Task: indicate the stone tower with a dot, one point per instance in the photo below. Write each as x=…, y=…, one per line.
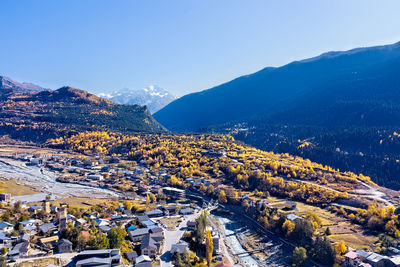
x=62, y=216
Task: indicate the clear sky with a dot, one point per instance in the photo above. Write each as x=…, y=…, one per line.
x=182, y=46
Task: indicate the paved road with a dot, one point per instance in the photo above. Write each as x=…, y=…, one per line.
x=173, y=237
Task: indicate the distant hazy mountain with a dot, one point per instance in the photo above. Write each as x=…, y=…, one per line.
x=7, y=83
x=357, y=87
x=152, y=96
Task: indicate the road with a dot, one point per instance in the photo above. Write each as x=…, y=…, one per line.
x=371, y=192
x=173, y=237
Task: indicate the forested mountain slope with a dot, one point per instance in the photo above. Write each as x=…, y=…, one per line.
x=37, y=116
x=357, y=87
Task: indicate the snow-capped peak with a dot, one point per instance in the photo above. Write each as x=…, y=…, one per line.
x=153, y=96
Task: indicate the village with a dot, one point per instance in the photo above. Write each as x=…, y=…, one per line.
x=157, y=220
x=40, y=235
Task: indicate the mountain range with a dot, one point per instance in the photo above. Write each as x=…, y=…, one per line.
x=340, y=108
x=31, y=113
x=154, y=97
x=356, y=87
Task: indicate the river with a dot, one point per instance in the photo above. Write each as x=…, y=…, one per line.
x=45, y=181
x=229, y=228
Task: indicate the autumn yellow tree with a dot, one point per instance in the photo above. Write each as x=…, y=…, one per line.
x=128, y=204
x=390, y=211
x=340, y=247
x=209, y=247
x=147, y=199
x=390, y=227
x=314, y=219
x=288, y=227
x=222, y=197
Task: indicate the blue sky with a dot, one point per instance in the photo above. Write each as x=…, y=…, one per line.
x=182, y=46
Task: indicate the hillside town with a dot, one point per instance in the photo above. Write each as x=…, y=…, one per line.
x=150, y=224
x=41, y=229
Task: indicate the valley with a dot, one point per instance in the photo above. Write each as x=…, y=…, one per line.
x=255, y=189
x=266, y=187
x=200, y=133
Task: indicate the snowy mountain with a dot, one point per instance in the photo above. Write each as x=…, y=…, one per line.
x=154, y=97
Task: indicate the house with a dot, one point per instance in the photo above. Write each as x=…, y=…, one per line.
x=394, y=261
x=142, y=218
x=150, y=246
x=174, y=193
x=101, y=257
x=375, y=260
x=90, y=163
x=102, y=222
x=138, y=234
x=168, y=210
x=35, y=161
x=187, y=211
x=6, y=227
x=90, y=216
x=80, y=222
x=148, y=224
x=157, y=231
x=143, y=261
x=5, y=241
x=74, y=162
x=289, y=205
x=53, y=209
x=47, y=228
x=25, y=237
x=216, y=243
x=49, y=242
x=131, y=256
x=105, y=228
x=35, y=208
x=154, y=213
x=351, y=259
x=131, y=228
x=28, y=223
x=181, y=247
x=5, y=197
x=292, y=217
x=95, y=177
x=127, y=212
x=392, y=251
x=20, y=250
x=64, y=246
x=32, y=230
x=192, y=225
x=94, y=261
